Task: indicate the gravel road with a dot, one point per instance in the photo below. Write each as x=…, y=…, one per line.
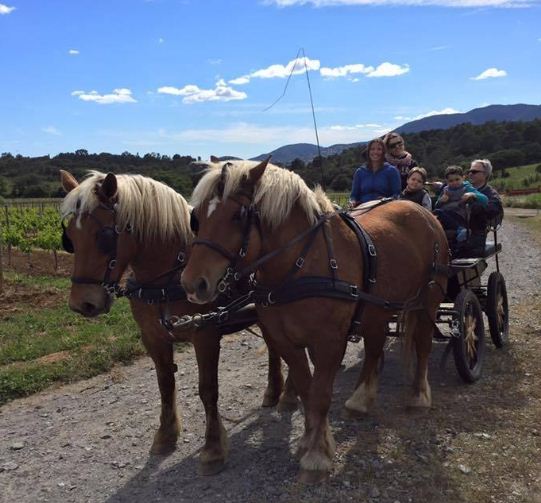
x=89, y=442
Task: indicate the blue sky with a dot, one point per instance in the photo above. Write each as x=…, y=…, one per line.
x=194, y=77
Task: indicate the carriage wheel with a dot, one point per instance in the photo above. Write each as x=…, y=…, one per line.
x=497, y=309
x=468, y=336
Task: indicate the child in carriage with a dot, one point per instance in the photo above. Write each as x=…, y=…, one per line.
x=415, y=190
x=451, y=207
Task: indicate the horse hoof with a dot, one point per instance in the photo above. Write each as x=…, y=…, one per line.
x=270, y=400
x=163, y=449
x=288, y=405
x=349, y=414
x=211, y=467
x=311, y=477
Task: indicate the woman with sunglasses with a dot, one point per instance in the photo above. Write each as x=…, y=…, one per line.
x=396, y=155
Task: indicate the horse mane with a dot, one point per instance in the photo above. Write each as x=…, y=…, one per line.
x=153, y=210
x=275, y=194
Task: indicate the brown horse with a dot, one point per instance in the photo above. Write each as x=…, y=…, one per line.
x=296, y=239
x=133, y=220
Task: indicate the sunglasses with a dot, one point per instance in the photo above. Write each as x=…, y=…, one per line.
x=474, y=171
x=393, y=145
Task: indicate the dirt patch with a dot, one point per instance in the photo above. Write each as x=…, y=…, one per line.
x=38, y=262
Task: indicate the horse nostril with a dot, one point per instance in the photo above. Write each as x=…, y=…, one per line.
x=88, y=309
x=202, y=287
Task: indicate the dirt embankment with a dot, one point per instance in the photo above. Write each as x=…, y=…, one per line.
x=89, y=442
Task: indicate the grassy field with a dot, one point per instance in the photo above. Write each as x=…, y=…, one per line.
x=519, y=177
x=42, y=342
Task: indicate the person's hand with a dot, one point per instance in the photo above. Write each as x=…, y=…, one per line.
x=351, y=205
x=468, y=197
x=444, y=197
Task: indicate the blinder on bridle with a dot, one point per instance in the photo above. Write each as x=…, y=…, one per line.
x=106, y=238
x=194, y=222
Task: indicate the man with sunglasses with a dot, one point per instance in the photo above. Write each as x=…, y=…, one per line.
x=479, y=174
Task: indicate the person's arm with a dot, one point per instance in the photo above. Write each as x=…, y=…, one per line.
x=443, y=197
x=478, y=196
x=494, y=207
x=355, y=196
x=395, y=185
x=427, y=202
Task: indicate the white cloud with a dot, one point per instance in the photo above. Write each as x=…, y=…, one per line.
x=73, y=52
x=294, y=67
x=4, y=9
x=443, y=111
x=389, y=70
x=383, y=70
x=51, y=130
x=419, y=3
x=161, y=40
x=240, y=80
x=122, y=95
x=216, y=61
x=490, y=73
x=193, y=94
x=343, y=71
x=245, y=133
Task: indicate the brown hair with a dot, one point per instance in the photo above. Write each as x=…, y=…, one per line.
x=392, y=136
x=379, y=141
x=421, y=171
x=453, y=170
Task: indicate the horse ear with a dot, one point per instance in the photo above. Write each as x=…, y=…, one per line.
x=257, y=172
x=214, y=159
x=68, y=181
x=109, y=186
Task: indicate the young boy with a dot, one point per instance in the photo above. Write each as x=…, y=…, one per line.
x=415, y=190
x=451, y=205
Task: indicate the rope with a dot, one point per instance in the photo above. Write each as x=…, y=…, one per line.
x=320, y=158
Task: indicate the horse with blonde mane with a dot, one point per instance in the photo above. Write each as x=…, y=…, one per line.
x=134, y=220
x=310, y=271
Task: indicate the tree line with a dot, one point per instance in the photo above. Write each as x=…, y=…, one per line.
x=506, y=144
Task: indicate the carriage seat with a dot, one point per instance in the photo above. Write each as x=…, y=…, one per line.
x=491, y=249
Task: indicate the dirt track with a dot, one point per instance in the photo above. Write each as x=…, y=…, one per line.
x=89, y=442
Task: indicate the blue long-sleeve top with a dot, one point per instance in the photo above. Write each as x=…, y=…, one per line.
x=455, y=195
x=369, y=185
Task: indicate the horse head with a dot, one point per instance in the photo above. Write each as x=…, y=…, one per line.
x=226, y=219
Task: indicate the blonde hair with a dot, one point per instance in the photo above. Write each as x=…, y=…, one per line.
x=151, y=208
x=275, y=193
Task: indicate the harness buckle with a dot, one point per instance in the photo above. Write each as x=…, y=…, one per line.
x=242, y=253
x=333, y=264
x=112, y=264
x=270, y=302
x=181, y=258
x=300, y=262
x=372, y=250
x=222, y=286
x=354, y=291
x=372, y=280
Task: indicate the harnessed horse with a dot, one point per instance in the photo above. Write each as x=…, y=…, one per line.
x=295, y=241
x=131, y=220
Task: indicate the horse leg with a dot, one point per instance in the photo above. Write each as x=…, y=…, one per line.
x=161, y=353
x=367, y=385
x=276, y=392
x=275, y=380
x=422, y=338
x=316, y=462
x=214, y=453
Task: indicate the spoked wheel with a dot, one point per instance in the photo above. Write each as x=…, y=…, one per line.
x=497, y=309
x=468, y=336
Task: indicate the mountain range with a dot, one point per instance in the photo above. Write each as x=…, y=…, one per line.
x=497, y=113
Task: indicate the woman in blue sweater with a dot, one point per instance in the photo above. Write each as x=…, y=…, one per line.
x=376, y=178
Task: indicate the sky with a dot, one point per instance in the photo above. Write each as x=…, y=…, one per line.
x=229, y=77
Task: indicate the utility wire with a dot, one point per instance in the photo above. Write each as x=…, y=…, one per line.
x=320, y=158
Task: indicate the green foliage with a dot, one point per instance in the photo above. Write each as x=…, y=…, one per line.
x=30, y=227
x=506, y=144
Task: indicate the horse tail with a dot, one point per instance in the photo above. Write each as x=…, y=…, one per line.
x=407, y=321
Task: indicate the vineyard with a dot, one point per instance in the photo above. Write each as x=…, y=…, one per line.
x=29, y=225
